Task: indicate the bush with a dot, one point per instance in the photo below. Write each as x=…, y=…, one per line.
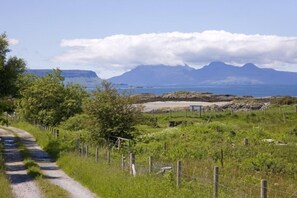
x=76, y=122
x=267, y=163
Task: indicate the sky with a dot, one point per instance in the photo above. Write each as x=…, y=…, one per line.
x=111, y=37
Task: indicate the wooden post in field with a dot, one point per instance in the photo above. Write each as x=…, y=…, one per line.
x=123, y=162
x=108, y=156
x=86, y=150
x=96, y=155
x=150, y=165
x=263, y=188
x=119, y=143
x=132, y=164
x=178, y=174
x=57, y=133
x=82, y=150
x=165, y=147
x=200, y=111
x=245, y=141
x=216, y=182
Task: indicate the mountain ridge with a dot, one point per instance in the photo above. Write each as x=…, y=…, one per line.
x=215, y=73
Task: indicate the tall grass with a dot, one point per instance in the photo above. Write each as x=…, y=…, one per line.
x=4, y=182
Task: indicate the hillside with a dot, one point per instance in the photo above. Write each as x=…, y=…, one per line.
x=86, y=78
x=216, y=73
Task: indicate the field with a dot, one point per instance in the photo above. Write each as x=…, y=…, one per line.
x=246, y=146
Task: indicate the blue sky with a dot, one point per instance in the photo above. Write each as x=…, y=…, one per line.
x=111, y=37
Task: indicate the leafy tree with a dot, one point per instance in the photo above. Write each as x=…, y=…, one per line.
x=112, y=114
x=48, y=100
x=11, y=70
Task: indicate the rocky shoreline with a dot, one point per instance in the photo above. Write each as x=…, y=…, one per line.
x=192, y=96
x=178, y=99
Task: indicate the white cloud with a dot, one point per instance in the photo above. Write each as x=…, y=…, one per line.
x=118, y=53
x=13, y=41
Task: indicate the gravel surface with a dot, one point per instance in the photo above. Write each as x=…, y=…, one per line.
x=50, y=169
x=22, y=184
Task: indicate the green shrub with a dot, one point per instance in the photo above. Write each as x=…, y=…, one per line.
x=267, y=163
x=76, y=122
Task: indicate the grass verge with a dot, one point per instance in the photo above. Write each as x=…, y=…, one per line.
x=4, y=182
x=49, y=190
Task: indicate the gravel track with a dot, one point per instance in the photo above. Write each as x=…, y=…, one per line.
x=22, y=184
x=50, y=169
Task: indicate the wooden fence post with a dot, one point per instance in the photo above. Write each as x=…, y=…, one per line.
x=108, y=156
x=216, y=182
x=150, y=165
x=263, y=188
x=57, y=134
x=178, y=174
x=96, y=155
x=132, y=164
x=119, y=143
x=123, y=162
x=86, y=151
x=165, y=147
x=82, y=150
x=245, y=141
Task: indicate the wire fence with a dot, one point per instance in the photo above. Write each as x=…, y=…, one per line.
x=214, y=185
x=208, y=183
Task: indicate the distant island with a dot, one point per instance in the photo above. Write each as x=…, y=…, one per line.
x=216, y=77
x=86, y=78
x=216, y=73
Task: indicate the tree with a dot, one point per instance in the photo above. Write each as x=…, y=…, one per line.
x=11, y=70
x=112, y=114
x=48, y=100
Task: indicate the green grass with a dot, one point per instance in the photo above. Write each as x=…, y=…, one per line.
x=215, y=139
x=109, y=181
x=4, y=182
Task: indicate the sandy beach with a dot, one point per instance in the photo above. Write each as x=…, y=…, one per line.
x=149, y=106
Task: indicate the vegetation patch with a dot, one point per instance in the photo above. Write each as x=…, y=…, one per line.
x=4, y=182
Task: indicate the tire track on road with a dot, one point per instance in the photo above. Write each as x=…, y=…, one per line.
x=22, y=184
x=50, y=169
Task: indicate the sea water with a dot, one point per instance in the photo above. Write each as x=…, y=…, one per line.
x=238, y=90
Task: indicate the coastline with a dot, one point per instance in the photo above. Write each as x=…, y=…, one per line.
x=172, y=105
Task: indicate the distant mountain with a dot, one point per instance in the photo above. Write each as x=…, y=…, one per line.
x=156, y=74
x=216, y=73
x=86, y=78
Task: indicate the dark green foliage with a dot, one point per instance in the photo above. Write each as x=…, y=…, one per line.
x=11, y=70
x=48, y=100
x=112, y=114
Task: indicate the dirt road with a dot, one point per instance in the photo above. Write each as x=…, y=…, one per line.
x=50, y=169
x=22, y=184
